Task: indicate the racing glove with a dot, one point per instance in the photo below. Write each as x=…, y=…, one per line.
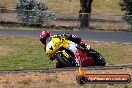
x=51, y=58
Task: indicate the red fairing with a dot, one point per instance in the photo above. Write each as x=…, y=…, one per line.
x=85, y=61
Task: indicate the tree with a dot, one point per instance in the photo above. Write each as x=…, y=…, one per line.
x=126, y=5
x=32, y=11
x=85, y=10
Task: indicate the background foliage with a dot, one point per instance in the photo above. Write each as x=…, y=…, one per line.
x=126, y=5
x=31, y=11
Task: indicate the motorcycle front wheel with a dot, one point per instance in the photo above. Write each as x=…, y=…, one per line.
x=62, y=61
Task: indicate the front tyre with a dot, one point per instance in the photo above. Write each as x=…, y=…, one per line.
x=98, y=58
x=63, y=61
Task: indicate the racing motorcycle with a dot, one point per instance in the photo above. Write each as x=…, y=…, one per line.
x=57, y=49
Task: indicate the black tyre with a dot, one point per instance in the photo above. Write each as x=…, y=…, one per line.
x=81, y=80
x=98, y=58
x=58, y=65
x=62, y=61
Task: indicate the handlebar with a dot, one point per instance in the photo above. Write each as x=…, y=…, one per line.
x=80, y=47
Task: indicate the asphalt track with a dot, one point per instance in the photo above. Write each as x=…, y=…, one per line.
x=120, y=37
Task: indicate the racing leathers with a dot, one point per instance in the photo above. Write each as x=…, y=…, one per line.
x=77, y=40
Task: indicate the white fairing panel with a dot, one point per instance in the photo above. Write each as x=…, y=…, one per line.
x=48, y=46
x=72, y=47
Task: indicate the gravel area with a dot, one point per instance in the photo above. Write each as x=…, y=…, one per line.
x=65, y=79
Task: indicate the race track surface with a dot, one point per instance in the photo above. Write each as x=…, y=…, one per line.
x=123, y=37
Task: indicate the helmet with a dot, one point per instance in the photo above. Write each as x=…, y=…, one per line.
x=44, y=35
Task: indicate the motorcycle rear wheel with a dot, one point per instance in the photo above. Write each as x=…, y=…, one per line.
x=98, y=58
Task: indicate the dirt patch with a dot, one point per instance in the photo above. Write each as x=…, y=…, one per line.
x=51, y=80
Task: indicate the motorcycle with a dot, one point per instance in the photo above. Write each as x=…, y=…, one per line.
x=57, y=49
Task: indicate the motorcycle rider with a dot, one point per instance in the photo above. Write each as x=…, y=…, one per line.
x=45, y=35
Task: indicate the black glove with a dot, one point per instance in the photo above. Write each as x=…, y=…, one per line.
x=66, y=34
x=51, y=58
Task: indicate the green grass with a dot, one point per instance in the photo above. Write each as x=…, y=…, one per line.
x=27, y=53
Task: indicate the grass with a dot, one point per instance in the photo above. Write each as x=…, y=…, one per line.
x=27, y=53
x=20, y=28
x=109, y=6
x=98, y=6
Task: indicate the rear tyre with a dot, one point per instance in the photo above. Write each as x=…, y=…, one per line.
x=58, y=65
x=98, y=58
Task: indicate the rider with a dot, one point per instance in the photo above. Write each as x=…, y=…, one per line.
x=44, y=35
